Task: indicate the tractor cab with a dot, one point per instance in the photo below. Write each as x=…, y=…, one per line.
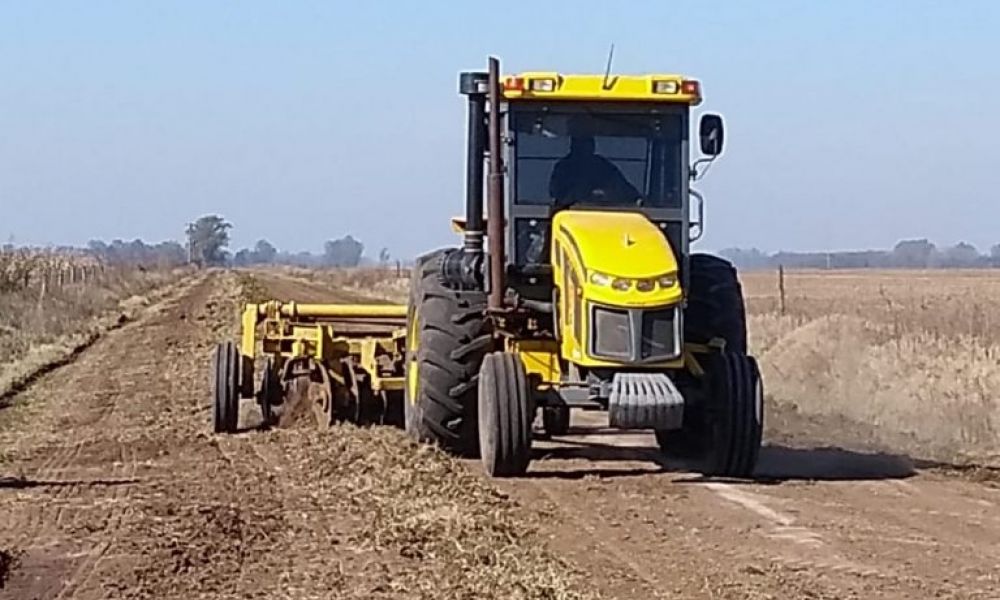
x=590, y=142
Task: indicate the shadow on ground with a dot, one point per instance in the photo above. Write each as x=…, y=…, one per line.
x=782, y=463
x=777, y=463
x=18, y=483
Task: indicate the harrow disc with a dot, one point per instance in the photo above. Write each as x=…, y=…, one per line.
x=320, y=397
x=269, y=394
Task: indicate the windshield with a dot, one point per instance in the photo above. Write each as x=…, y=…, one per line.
x=597, y=159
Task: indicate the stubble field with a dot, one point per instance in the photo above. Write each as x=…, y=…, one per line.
x=911, y=356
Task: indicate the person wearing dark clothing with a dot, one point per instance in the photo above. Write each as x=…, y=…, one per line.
x=586, y=177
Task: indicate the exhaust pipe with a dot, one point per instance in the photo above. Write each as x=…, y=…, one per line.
x=495, y=208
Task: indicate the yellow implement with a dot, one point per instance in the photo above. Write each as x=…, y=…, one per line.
x=345, y=361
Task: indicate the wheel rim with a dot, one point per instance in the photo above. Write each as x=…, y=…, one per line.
x=412, y=365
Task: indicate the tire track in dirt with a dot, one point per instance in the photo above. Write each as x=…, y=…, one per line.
x=125, y=469
x=71, y=504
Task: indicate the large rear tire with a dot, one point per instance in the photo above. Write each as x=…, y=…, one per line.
x=447, y=338
x=715, y=307
x=721, y=434
x=226, y=384
x=715, y=310
x=505, y=415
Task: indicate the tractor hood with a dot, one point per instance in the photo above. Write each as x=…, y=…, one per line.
x=620, y=244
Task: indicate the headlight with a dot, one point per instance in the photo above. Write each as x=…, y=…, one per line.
x=621, y=284
x=667, y=281
x=624, y=284
x=600, y=278
x=645, y=285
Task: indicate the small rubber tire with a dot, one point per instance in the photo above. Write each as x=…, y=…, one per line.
x=555, y=420
x=734, y=416
x=226, y=388
x=505, y=415
x=447, y=337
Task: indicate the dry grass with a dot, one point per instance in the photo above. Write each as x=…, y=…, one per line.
x=383, y=283
x=52, y=305
x=24, y=268
x=913, y=353
x=449, y=532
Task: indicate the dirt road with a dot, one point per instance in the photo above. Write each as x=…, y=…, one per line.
x=116, y=488
x=819, y=523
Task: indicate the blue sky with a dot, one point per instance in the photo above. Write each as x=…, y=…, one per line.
x=850, y=124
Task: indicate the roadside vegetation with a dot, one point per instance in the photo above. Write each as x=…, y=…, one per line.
x=53, y=303
x=912, y=355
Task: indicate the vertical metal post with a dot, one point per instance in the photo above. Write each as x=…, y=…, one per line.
x=495, y=209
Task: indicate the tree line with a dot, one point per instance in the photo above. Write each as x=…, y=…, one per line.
x=206, y=243
x=906, y=254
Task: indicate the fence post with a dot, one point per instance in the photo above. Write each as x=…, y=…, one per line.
x=781, y=288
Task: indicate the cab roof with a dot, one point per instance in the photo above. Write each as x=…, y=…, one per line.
x=545, y=85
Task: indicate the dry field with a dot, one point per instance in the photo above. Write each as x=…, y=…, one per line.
x=388, y=283
x=910, y=356
x=113, y=486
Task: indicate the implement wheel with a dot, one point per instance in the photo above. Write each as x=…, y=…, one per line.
x=446, y=340
x=734, y=415
x=505, y=415
x=226, y=380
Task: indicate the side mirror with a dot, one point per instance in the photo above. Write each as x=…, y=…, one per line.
x=712, y=134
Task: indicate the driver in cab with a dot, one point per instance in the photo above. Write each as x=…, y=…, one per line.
x=585, y=177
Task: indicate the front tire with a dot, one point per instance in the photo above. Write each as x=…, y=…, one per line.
x=735, y=415
x=505, y=415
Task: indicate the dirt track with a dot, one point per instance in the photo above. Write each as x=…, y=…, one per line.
x=118, y=490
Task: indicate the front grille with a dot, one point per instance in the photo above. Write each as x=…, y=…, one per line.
x=635, y=335
x=659, y=334
x=612, y=333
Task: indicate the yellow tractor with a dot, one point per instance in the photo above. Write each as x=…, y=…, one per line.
x=574, y=287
